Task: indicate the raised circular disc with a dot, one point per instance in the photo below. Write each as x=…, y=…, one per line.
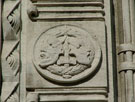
x=66, y=54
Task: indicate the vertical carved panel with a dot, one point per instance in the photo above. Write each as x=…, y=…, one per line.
x=65, y=55
x=65, y=51
x=10, y=51
x=126, y=51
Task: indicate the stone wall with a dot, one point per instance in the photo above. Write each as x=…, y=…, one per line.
x=67, y=51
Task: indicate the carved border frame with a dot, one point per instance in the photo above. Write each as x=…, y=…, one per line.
x=13, y=28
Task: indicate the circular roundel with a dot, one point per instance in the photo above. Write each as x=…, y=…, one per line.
x=66, y=54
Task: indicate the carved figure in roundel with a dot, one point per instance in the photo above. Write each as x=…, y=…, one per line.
x=66, y=53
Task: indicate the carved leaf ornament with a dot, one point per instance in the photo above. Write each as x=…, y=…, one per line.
x=66, y=54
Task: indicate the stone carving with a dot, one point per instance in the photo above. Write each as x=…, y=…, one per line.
x=64, y=52
x=10, y=57
x=13, y=60
x=77, y=11
x=126, y=53
x=32, y=11
x=60, y=54
x=12, y=23
x=11, y=83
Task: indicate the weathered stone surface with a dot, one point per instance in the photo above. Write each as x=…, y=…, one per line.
x=126, y=42
x=11, y=51
x=65, y=51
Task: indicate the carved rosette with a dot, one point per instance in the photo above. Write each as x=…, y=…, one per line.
x=66, y=54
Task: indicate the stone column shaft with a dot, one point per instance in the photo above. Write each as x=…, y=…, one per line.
x=127, y=50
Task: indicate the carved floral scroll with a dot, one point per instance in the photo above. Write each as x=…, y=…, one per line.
x=10, y=53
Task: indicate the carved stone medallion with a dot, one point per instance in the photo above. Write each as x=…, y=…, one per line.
x=66, y=54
